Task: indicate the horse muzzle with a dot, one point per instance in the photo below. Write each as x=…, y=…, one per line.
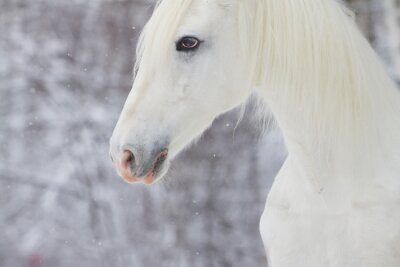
x=135, y=165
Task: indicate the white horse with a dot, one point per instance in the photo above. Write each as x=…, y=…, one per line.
x=336, y=200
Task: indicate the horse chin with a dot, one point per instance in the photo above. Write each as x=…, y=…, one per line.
x=160, y=172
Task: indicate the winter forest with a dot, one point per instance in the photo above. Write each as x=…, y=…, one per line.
x=65, y=71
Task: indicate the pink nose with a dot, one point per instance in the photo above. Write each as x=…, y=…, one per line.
x=127, y=166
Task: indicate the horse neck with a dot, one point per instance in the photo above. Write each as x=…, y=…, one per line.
x=339, y=120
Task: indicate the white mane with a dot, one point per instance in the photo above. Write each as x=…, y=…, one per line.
x=309, y=54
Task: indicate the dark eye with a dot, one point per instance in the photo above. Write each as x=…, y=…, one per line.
x=187, y=43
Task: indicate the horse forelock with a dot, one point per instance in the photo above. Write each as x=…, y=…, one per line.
x=158, y=34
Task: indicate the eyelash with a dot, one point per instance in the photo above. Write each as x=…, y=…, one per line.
x=187, y=44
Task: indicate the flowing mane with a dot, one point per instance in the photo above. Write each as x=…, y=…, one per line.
x=317, y=70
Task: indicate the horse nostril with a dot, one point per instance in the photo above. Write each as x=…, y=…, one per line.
x=127, y=159
x=160, y=160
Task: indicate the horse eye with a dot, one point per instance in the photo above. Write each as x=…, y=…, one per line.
x=187, y=43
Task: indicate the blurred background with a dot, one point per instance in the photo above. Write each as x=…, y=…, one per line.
x=65, y=71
